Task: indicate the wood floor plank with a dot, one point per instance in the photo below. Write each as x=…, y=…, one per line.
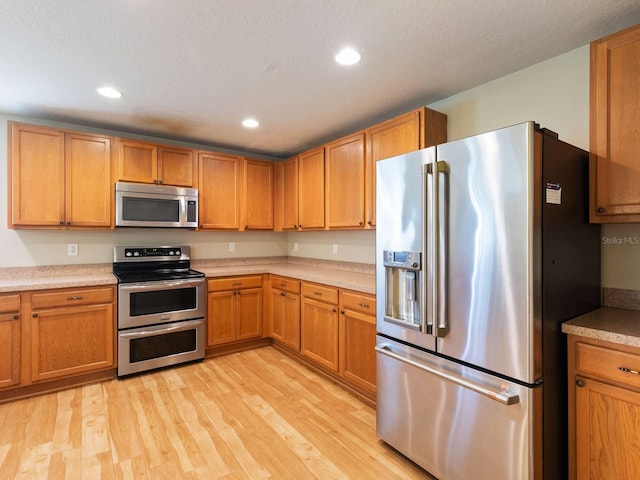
x=254, y=415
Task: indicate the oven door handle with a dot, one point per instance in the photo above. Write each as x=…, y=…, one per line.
x=171, y=327
x=131, y=287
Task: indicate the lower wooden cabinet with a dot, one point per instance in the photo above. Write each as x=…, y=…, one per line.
x=285, y=311
x=604, y=410
x=234, y=309
x=358, y=339
x=57, y=334
x=319, y=325
x=10, y=338
x=72, y=332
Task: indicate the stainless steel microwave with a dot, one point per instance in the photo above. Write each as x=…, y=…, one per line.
x=142, y=205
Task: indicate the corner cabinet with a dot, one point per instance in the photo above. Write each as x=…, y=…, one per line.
x=58, y=179
x=614, y=138
x=604, y=410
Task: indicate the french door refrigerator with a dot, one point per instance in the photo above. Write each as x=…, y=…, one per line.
x=483, y=249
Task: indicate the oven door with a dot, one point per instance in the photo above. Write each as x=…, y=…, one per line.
x=148, y=303
x=146, y=348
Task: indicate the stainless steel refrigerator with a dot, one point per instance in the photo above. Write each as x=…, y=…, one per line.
x=483, y=248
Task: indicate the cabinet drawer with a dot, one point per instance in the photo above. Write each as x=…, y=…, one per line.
x=71, y=297
x=282, y=283
x=320, y=292
x=233, y=283
x=359, y=302
x=9, y=303
x=606, y=363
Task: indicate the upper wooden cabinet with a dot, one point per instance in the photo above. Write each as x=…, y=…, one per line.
x=299, y=192
x=221, y=184
x=143, y=162
x=614, y=140
x=59, y=179
x=345, y=182
x=258, y=195
x=406, y=133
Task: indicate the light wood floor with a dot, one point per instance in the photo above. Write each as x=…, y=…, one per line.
x=255, y=414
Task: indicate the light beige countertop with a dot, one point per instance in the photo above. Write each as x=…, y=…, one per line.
x=616, y=325
x=352, y=276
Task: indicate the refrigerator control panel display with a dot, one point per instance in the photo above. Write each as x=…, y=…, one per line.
x=402, y=259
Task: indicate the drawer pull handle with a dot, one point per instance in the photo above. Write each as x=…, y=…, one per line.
x=317, y=293
x=236, y=284
x=364, y=305
x=283, y=285
x=74, y=298
x=628, y=370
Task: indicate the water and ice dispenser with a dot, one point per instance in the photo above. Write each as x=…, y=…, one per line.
x=403, y=287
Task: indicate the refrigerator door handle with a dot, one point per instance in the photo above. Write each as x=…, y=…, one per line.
x=441, y=326
x=504, y=397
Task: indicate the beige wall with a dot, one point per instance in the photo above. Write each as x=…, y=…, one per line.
x=554, y=93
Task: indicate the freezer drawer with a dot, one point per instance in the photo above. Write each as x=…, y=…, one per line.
x=455, y=422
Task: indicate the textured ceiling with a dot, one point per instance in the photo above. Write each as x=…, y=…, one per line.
x=193, y=69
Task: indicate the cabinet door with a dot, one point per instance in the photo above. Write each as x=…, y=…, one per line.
x=176, y=166
x=68, y=341
x=248, y=313
x=137, y=162
x=88, y=181
x=37, y=176
x=311, y=189
x=9, y=349
x=357, y=343
x=278, y=314
x=613, y=137
x=394, y=137
x=345, y=182
x=607, y=431
x=221, y=313
x=219, y=192
x=289, y=201
x=259, y=195
x=319, y=330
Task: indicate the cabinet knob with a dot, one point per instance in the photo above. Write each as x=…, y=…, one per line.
x=246, y=227
x=295, y=226
x=34, y=315
x=334, y=310
x=369, y=222
x=61, y=222
x=361, y=223
x=341, y=312
x=16, y=317
x=282, y=294
x=601, y=210
x=580, y=383
x=160, y=182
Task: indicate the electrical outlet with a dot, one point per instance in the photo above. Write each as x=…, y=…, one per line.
x=72, y=249
x=232, y=246
x=295, y=246
x=335, y=248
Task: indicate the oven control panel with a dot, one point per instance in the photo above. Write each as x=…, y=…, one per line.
x=123, y=254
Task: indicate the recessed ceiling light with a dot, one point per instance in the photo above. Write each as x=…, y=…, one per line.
x=347, y=56
x=109, y=92
x=250, y=122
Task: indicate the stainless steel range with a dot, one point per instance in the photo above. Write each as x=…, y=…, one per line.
x=161, y=308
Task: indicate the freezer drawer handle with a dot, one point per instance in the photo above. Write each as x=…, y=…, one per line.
x=503, y=396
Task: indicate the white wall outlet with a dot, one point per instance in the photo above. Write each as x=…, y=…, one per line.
x=335, y=248
x=232, y=246
x=295, y=246
x=72, y=249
